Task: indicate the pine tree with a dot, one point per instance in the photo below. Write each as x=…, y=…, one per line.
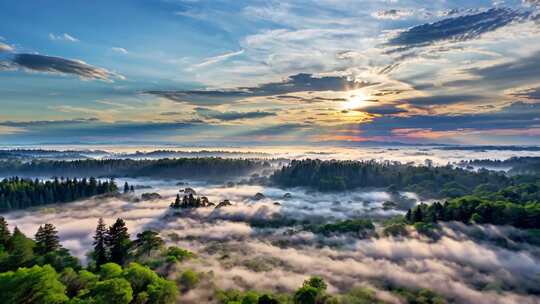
x=4, y=232
x=100, y=245
x=21, y=250
x=126, y=187
x=47, y=239
x=118, y=242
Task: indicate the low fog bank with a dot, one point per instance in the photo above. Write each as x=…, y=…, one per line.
x=415, y=154
x=472, y=264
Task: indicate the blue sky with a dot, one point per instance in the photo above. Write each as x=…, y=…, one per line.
x=270, y=72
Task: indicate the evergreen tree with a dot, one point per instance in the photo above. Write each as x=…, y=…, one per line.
x=118, y=242
x=147, y=241
x=47, y=239
x=21, y=250
x=4, y=232
x=126, y=188
x=100, y=245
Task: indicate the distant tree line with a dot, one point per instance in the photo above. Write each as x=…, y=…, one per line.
x=515, y=165
x=427, y=181
x=209, y=167
x=19, y=193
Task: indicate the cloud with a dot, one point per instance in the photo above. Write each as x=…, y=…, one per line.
x=63, y=37
x=59, y=65
x=5, y=48
x=295, y=83
x=231, y=115
x=510, y=72
x=516, y=116
x=381, y=109
x=119, y=50
x=441, y=99
x=530, y=93
x=217, y=59
x=459, y=28
x=393, y=14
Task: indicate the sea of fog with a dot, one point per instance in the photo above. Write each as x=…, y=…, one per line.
x=466, y=263
x=438, y=154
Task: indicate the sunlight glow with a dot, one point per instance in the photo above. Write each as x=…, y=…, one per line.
x=355, y=101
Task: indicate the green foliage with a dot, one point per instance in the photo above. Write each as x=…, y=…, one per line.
x=203, y=167
x=110, y=270
x=47, y=239
x=359, y=226
x=118, y=242
x=176, y=254
x=5, y=235
x=306, y=295
x=470, y=209
x=18, y=193
x=101, y=252
x=116, y=291
x=146, y=242
x=21, y=252
x=359, y=295
x=189, y=279
x=32, y=285
x=334, y=175
x=420, y=296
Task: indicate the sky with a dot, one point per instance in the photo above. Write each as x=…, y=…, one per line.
x=246, y=73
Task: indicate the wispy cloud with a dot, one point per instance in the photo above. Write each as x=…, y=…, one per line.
x=216, y=59
x=63, y=37
x=120, y=50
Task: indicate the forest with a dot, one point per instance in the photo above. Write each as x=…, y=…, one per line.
x=180, y=168
x=20, y=193
x=426, y=181
x=123, y=271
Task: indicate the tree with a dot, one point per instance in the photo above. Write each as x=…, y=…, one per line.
x=147, y=241
x=118, y=242
x=101, y=255
x=4, y=232
x=306, y=295
x=47, y=239
x=21, y=249
x=32, y=285
x=316, y=282
x=116, y=291
x=189, y=279
x=126, y=188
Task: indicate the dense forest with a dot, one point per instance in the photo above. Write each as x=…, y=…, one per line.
x=20, y=193
x=124, y=271
x=427, y=181
x=514, y=165
x=517, y=206
x=181, y=168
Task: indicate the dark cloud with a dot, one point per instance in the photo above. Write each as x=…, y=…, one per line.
x=511, y=72
x=441, y=99
x=532, y=93
x=50, y=64
x=295, y=83
x=276, y=130
x=92, y=130
x=310, y=99
x=393, y=14
x=231, y=115
x=457, y=28
x=381, y=109
x=518, y=115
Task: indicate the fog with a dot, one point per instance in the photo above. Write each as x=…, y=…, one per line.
x=464, y=263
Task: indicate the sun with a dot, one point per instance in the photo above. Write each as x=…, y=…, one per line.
x=355, y=101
